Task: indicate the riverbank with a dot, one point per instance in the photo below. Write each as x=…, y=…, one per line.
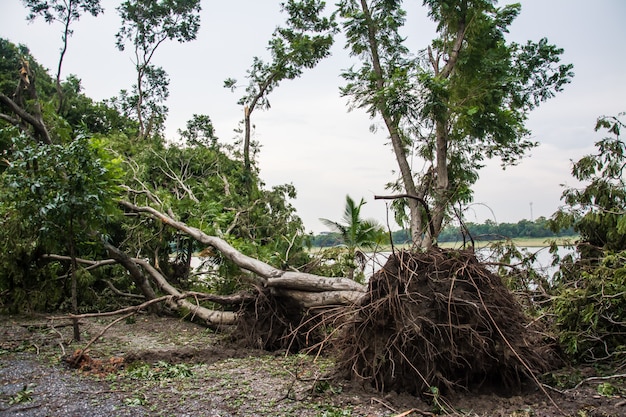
x=526, y=242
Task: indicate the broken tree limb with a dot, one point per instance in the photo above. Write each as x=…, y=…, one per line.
x=35, y=121
x=315, y=283
x=175, y=299
x=135, y=273
x=267, y=274
x=210, y=317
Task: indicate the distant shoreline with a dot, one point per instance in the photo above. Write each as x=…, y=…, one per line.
x=534, y=242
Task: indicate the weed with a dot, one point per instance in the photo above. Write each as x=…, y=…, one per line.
x=606, y=389
x=25, y=395
x=528, y=412
x=135, y=401
x=321, y=387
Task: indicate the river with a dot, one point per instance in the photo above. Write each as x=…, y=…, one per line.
x=376, y=260
x=542, y=263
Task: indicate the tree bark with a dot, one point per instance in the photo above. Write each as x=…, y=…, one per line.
x=415, y=218
x=35, y=121
x=177, y=299
x=306, y=290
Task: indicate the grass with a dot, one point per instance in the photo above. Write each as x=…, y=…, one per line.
x=530, y=242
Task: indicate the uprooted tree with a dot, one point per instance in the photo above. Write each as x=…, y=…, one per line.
x=173, y=201
x=436, y=319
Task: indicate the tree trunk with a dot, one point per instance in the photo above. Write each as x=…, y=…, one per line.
x=74, y=284
x=415, y=214
x=210, y=317
x=135, y=273
x=441, y=181
x=267, y=275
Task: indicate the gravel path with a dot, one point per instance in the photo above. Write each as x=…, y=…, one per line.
x=55, y=391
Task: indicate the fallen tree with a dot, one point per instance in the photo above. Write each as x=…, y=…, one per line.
x=433, y=319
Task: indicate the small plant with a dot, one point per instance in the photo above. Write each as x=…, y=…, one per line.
x=25, y=395
x=439, y=406
x=332, y=411
x=135, y=401
x=321, y=387
x=527, y=412
x=606, y=389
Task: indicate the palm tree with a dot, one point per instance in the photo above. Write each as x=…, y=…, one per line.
x=356, y=232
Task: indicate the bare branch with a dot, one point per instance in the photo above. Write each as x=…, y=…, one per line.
x=35, y=122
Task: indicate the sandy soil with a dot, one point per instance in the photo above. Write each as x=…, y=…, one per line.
x=158, y=366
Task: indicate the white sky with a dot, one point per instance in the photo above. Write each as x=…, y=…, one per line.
x=309, y=139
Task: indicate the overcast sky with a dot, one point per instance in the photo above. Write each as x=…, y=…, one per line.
x=309, y=138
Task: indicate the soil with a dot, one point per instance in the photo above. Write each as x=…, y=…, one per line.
x=160, y=366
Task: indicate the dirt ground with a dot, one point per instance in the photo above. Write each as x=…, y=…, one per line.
x=159, y=366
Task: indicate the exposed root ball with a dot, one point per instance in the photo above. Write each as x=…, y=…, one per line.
x=273, y=323
x=440, y=319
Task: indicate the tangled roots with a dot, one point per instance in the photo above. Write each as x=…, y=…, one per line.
x=441, y=319
x=273, y=322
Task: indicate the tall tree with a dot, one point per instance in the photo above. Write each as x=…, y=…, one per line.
x=65, y=12
x=302, y=43
x=146, y=24
x=463, y=99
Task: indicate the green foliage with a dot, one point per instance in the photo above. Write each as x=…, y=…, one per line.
x=302, y=43
x=589, y=305
x=54, y=199
x=487, y=231
x=597, y=211
x=337, y=262
x=200, y=185
x=159, y=371
x=591, y=311
x=146, y=24
x=61, y=187
x=61, y=11
x=463, y=99
x=490, y=230
x=78, y=114
x=356, y=232
x=64, y=12
x=606, y=389
x=199, y=132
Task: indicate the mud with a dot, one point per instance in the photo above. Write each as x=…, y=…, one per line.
x=211, y=376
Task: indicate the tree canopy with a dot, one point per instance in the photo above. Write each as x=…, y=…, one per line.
x=460, y=100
